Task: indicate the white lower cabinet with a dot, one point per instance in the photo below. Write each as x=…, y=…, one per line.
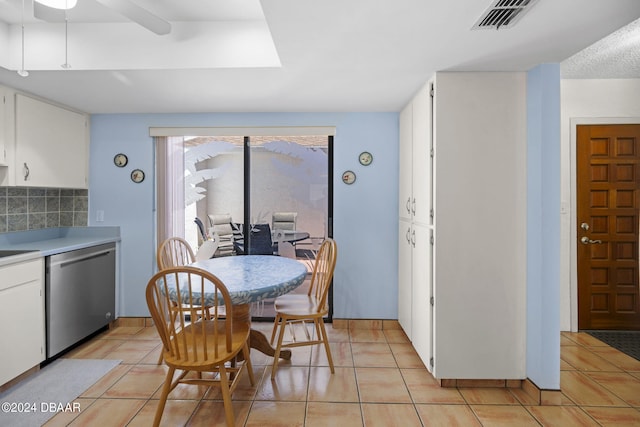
x=404, y=278
x=421, y=280
x=21, y=317
x=415, y=311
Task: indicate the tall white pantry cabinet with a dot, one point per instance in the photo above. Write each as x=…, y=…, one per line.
x=416, y=223
x=462, y=224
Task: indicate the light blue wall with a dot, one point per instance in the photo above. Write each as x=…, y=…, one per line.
x=543, y=226
x=365, y=213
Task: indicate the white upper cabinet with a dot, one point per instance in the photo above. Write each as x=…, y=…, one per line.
x=421, y=158
x=405, y=154
x=415, y=158
x=4, y=124
x=51, y=144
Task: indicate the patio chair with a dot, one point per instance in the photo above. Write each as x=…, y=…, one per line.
x=284, y=221
x=221, y=225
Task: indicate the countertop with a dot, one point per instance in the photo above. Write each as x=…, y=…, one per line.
x=52, y=241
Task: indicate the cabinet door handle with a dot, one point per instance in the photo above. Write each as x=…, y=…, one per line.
x=26, y=171
x=408, y=236
x=413, y=238
x=408, y=205
x=413, y=206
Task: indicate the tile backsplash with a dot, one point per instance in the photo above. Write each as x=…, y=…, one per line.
x=30, y=208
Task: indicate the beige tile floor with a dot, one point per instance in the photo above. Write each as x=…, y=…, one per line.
x=379, y=381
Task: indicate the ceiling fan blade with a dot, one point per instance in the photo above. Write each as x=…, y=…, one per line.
x=46, y=13
x=139, y=15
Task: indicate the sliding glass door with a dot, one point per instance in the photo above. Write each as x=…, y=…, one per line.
x=288, y=199
x=260, y=195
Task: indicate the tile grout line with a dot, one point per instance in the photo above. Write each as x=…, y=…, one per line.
x=355, y=376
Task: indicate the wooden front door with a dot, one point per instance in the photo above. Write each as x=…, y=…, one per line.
x=608, y=182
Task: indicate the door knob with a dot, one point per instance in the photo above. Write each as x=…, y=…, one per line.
x=584, y=226
x=586, y=241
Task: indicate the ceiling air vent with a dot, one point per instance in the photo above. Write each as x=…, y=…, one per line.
x=503, y=14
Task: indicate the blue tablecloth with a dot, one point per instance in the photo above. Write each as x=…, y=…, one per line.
x=251, y=278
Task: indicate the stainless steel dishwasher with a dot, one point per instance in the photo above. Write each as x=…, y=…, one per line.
x=79, y=294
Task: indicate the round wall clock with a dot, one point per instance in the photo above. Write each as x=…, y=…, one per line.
x=365, y=158
x=348, y=177
x=137, y=176
x=120, y=160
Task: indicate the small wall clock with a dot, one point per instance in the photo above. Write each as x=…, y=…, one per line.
x=137, y=176
x=120, y=160
x=365, y=158
x=348, y=177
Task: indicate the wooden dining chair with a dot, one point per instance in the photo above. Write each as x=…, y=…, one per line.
x=310, y=308
x=174, y=252
x=191, y=343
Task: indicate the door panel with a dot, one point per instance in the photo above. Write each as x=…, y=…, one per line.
x=404, y=277
x=287, y=176
x=405, y=156
x=422, y=310
x=608, y=172
x=420, y=204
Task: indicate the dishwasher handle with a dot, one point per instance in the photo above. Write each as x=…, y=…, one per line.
x=63, y=262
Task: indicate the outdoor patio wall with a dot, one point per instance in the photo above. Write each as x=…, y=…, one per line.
x=365, y=213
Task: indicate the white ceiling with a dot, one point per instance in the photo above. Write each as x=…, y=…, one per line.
x=299, y=55
x=616, y=56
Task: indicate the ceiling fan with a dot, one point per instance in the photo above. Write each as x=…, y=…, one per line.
x=55, y=11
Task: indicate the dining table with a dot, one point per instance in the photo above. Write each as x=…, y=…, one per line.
x=252, y=278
